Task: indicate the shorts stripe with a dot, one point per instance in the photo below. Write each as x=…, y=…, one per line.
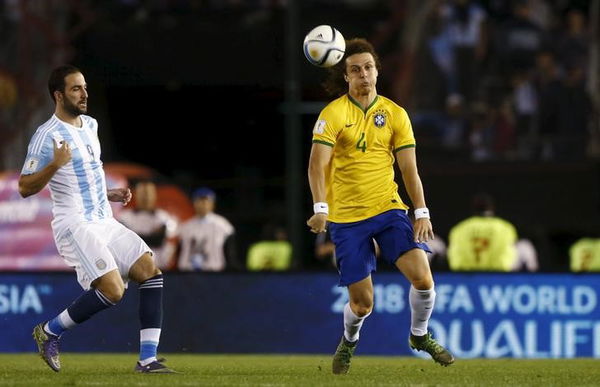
x=87, y=266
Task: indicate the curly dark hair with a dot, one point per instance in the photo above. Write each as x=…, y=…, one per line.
x=335, y=85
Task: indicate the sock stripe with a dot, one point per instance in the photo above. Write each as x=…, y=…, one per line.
x=152, y=283
x=154, y=280
x=103, y=298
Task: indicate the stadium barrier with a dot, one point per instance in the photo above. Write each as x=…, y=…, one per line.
x=477, y=315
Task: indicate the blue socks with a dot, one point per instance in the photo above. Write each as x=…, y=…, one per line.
x=84, y=307
x=151, y=315
x=93, y=301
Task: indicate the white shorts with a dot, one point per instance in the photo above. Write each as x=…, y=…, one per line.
x=96, y=248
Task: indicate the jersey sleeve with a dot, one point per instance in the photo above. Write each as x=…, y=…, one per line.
x=40, y=153
x=92, y=123
x=403, y=136
x=326, y=128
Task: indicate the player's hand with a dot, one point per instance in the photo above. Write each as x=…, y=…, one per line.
x=423, y=230
x=122, y=195
x=62, y=154
x=317, y=223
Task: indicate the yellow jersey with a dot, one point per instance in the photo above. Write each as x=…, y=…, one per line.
x=360, y=179
x=483, y=243
x=269, y=255
x=585, y=255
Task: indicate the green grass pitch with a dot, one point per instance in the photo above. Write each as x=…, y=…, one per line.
x=294, y=370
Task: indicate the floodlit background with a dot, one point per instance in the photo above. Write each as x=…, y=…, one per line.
x=503, y=97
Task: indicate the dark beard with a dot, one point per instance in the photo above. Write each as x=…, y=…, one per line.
x=73, y=109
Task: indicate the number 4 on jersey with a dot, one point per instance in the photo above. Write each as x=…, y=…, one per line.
x=362, y=143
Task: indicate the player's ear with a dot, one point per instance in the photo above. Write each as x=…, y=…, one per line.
x=57, y=96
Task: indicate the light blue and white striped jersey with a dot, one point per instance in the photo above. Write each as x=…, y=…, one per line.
x=78, y=188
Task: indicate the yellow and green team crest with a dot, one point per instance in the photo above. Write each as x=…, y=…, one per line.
x=379, y=118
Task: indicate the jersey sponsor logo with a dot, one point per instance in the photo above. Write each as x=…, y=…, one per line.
x=31, y=164
x=319, y=127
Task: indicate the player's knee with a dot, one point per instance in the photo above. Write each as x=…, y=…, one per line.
x=145, y=275
x=424, y=283
x=362, y=309
x=113, y=291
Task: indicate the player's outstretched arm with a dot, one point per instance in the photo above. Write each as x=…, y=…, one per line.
x=33, y=183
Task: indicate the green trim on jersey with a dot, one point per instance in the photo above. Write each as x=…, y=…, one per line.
x=404, y=147
x=322, y=142
x=360, y=107
x=360, y=179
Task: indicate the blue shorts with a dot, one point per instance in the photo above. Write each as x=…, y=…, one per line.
x=354, y=248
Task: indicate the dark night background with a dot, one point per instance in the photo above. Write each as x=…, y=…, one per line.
x=197, y=91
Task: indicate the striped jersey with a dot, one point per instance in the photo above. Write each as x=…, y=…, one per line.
x=360, y=180
x=78, y=188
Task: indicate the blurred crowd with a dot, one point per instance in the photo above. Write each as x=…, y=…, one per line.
x=508, y=80
x=513, y=80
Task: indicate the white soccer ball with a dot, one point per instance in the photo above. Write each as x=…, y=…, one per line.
x=324, y=46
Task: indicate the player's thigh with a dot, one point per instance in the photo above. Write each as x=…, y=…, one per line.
x=415, y=267
x=395, y=236
x=354, y=251
x=84, y=248
x=127, y=247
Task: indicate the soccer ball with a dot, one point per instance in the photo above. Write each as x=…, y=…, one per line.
x=324, y=46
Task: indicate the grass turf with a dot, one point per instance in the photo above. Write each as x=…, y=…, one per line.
x=301, y=370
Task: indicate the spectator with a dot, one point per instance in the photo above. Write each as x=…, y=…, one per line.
x=482, y=132
x=518, y=39
x=485, y=242
x=455, y=123
x=273, y=253
x=548, y=87
x=468, y=36
x=525, y=105
x=565, y=114
x=574, y=42
x=155, y=226
x=585, y=255
x=206, y=239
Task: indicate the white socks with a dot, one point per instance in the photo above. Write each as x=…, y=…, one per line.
x=352, y=324
x=421, y=306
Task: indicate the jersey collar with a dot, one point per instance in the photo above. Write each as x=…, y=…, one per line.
x=360, y=107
